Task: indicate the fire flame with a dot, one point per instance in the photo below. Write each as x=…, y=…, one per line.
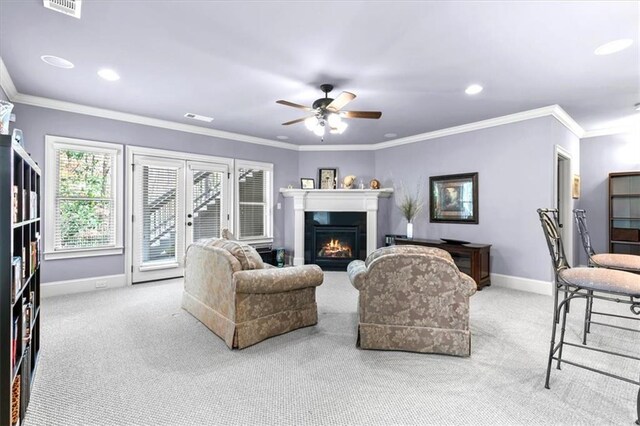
x=334, y=248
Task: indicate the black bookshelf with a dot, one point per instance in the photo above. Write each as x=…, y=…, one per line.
x=20, y=254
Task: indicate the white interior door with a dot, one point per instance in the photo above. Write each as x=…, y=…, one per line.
x=158, y=218
x=206, y=197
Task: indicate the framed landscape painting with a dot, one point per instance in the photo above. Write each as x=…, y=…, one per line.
x=454, y=198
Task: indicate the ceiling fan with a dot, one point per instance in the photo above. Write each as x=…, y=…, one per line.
x=327, y=112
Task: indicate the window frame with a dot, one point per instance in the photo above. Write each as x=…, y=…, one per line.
x=266, y=167
x=52, y=145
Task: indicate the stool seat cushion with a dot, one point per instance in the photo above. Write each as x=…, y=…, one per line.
x=600, y=279
x=628, y=262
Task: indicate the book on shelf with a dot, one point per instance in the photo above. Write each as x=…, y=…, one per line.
x=15, y=401
x=15, y=204
x=33, y=255
x=33, y=205
x=24, y=262
x=39, y=253
x=27, y=318
x=25, y=211
x=26, y=380
x=16, y=272
x=14, y=344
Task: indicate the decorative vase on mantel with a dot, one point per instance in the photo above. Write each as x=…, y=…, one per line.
x=409, y=230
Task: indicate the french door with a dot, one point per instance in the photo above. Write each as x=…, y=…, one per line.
x=175, y=202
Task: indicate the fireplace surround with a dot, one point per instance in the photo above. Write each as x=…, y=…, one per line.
x=330, y=200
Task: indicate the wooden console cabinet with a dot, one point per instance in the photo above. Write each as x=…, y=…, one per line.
x=472, y=259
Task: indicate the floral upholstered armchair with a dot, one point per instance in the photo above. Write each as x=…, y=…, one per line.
x=231, y=291
x=412, y=298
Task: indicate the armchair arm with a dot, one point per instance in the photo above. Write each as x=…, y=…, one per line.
x=277, y=280
x=357, y=271
x=469, y=285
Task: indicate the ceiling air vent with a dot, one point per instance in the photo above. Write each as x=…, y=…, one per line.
x=68, y=7
x=198, y=117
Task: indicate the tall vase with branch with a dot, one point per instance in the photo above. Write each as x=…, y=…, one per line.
x=410, y=205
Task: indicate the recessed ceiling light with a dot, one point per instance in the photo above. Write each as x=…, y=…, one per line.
x=109, y=74
x=613, y=46
x=282, y=137
x=390, y=135
x=473, y=89
x=198, y=117
x=56, y=61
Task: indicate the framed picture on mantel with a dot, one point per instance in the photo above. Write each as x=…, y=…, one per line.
x=328, y=178
x=454, y=198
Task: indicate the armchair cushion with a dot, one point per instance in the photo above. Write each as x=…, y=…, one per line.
x=246, y=255
x=407, y=249
x=278, y=280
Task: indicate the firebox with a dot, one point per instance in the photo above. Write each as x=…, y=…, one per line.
x=333, y=239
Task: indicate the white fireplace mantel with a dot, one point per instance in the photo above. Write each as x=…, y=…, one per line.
x=334, y=200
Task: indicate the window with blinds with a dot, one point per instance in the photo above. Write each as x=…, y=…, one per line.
x=254, y=185
x=82, y=196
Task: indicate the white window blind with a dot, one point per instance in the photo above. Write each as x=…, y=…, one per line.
x=85, y=205
x=83, y=195
x=206, y=204
x=159, y=194
x=252, y=202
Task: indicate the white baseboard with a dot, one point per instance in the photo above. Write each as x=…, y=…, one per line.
x=58, y=288
x=522, y=284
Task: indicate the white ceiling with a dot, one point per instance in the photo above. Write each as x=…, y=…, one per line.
x=410, y=60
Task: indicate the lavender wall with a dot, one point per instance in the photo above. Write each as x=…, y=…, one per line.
x=358, y=163
x=599, y=157
x=515, y=166
x=38, y=122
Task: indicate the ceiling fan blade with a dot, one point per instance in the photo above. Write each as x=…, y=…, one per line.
x=291, y=104
x=361, y=114
x=299, y=120
x=339, y=102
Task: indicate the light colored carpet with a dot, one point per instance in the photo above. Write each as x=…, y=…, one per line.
x=132, y=357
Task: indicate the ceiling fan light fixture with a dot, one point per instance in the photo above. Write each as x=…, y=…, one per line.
x=319, y=130
x=342, y=126
x=334, y=120
x=311, y=123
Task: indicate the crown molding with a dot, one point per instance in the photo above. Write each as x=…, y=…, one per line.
x=6, y=82
x=146, y=121
x=565, y=119
x=553, y=110
x=607, y=132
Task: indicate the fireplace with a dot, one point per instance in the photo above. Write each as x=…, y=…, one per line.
x=303, y=207
x=333, y=239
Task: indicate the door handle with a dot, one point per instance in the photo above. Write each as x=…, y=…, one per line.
x=189, y=223
x=189, y=215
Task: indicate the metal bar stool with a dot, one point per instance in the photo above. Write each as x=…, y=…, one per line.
x=588, y=283
x=620, y=262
